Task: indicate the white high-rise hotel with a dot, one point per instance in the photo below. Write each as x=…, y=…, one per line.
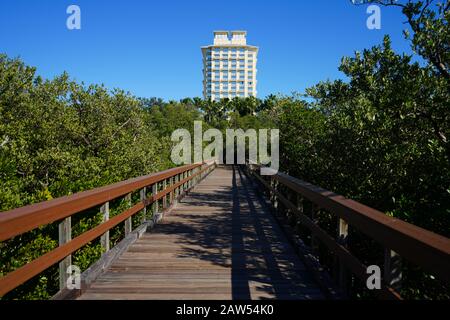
x=229, y=66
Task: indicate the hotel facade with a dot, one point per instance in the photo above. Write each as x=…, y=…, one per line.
x=229, y=66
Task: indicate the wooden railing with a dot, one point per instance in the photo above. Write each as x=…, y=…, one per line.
x=166, y=187
x=400, y=239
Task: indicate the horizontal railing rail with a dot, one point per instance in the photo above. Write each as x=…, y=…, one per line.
x=175, y=182
x=399, y=238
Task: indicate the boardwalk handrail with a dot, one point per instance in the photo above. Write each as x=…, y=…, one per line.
x=399, y=238
x=15, y=222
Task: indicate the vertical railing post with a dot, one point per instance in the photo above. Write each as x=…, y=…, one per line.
x=314, y=218
x=65, y=235
x=183, y=176
x=128, y=222
x=190, y=180
x=300, y=209
x=300, y=204
x=143, y=199
x=172, y=193
x=164, y=199
x=104, y=239
x=341, y=272
x=195, y=177
x=392, y=269
x=273, y=195
x=177, y=189
x=155, y=203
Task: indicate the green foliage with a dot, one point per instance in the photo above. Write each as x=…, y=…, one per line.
x=58, y=137
x=382, y=139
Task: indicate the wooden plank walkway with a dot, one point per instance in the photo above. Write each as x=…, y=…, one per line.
x=219, y=242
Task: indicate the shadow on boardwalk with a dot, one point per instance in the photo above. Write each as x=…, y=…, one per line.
x=240, y=234
x=219, y=242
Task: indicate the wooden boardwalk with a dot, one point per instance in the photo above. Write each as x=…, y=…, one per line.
x=219, y=242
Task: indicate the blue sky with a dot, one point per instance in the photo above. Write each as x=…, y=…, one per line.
x=152, y=48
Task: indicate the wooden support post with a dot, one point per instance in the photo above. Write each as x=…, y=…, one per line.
x=177, y=189
x=155, y=203
x=194, y=180
x=65, y=235
x=190, y=181
x=143, y=197
x=104, y=239
x=164, y=199
x=314, y=218
x=273, y=196
x=300, y=204
x=182, y=187
x=392, y=269
x=342, y=272
x=128, y=222
x=300, y=210
x=171, y=193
